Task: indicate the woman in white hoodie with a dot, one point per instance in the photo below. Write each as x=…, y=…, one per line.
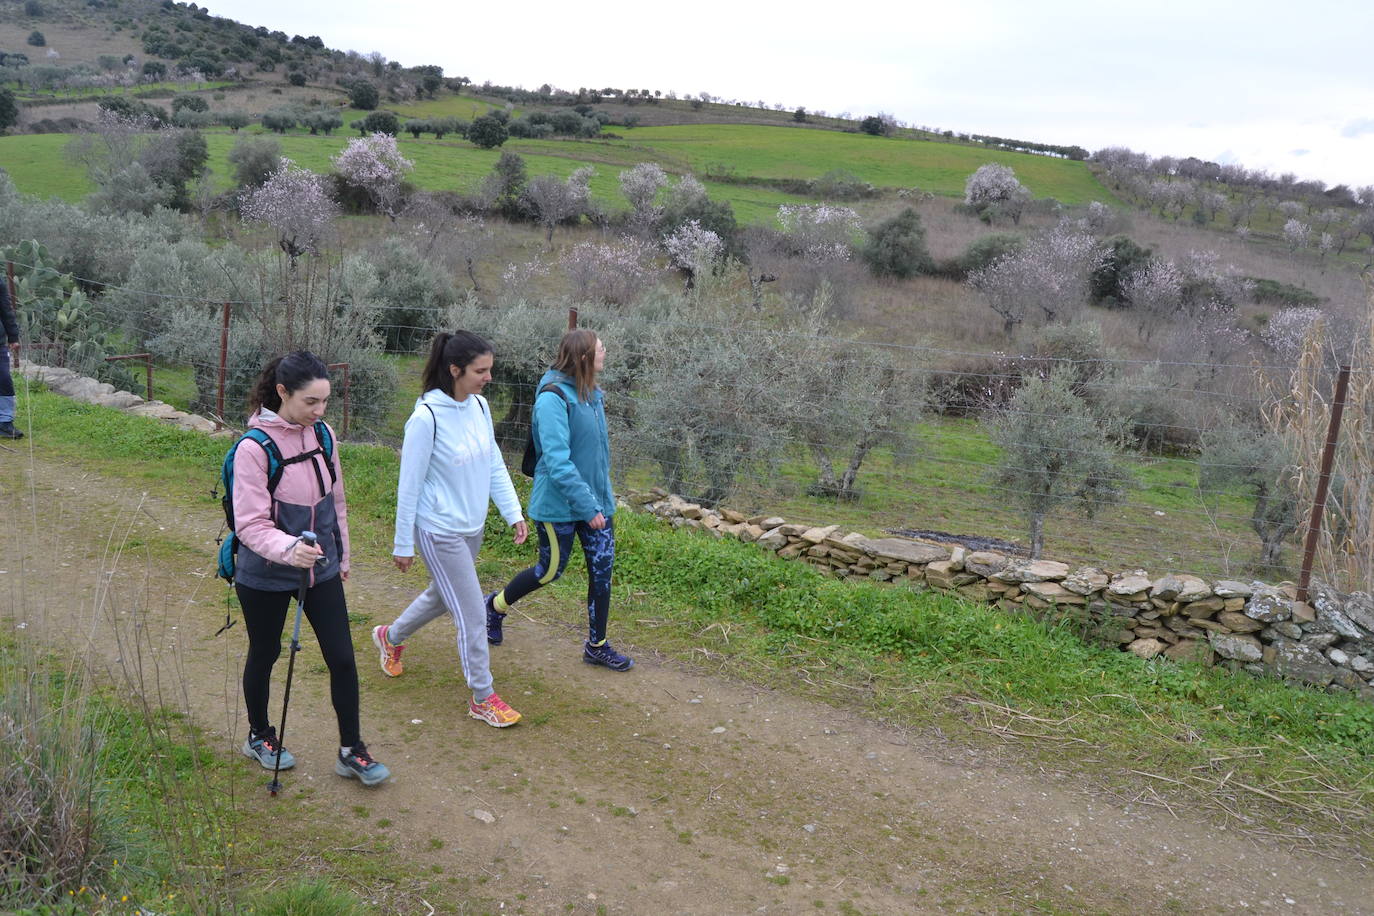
x=451, y=468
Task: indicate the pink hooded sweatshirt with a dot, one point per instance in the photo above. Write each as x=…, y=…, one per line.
x=268, y=525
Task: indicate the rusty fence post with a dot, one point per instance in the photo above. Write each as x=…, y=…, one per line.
x=147, y=361
x=572, y=318
x=347, y=385
x=223, y=366
x=1314, y=526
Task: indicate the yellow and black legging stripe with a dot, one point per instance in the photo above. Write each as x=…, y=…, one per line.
x=555, y=545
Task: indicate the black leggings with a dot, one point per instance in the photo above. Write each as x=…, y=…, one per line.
x=264, y=616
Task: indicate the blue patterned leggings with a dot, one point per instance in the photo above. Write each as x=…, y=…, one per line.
x=555, y=544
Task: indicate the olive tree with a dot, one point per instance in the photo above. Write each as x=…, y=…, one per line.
x=1057, y=451
x=1261, y=463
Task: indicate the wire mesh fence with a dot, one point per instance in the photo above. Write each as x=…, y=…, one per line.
x=781, y=417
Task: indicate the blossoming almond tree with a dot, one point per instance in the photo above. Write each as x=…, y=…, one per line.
x=375, y=165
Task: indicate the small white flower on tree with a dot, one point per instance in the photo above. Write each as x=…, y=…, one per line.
x=993, y=190
x=554, y=201
x=616, y=272
x=296, y=203
x=819, y=232
x=1043, y=280
x=375, y=165
x=693, y=250
x=641, y=185
x=1288, y=329
x=1297, y=234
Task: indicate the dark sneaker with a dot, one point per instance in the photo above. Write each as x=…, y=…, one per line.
x=494, y=618
x=605, y=656
x=358, y=764
x=264, y=749
x=9, y=431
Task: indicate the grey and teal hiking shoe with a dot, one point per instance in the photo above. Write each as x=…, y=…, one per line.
x=264, y=749
x=358, y=764
x=605, y=656
x=494, y=620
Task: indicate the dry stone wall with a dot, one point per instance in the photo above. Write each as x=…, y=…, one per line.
x=83, y=388
x=1263, y=629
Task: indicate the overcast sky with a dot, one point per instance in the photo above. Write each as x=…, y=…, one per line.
x=1266, y=84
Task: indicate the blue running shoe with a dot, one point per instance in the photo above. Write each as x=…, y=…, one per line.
x=358, y=764
x=606, y=657
x=494, y=619
x=264, y=749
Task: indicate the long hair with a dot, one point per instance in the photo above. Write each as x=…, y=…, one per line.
x=459, y=349
x=293, y=372
x=577, y=358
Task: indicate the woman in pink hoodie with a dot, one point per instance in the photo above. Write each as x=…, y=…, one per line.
x=288, y=404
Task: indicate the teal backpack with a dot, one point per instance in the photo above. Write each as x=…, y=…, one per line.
x=229, y=545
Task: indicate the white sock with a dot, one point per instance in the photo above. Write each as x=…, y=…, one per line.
x=345, y=751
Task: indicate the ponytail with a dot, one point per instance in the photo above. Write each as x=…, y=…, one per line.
x=293, y=372
x=458, y=348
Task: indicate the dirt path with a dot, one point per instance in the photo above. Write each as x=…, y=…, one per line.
x=663, y=790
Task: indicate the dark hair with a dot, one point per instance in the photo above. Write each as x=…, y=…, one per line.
x=293, y=372
x=457, y=349
x=577, y=358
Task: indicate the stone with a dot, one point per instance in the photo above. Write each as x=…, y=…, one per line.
x=1348, y=679
x=1205, y=607
x=816, y=535
x=1320, y=640
x=1269, y=608
x=1227, y=588
x=767, y=522
x=1182, y=588
x=1337, y=657
x=1146, y=648
x=1189, y=650
x=976, y=591
x=790, y=551
x=817, y=551
x=1362, y=665
x=1031, y=571
x=750, y=533
x=735, y=530
x=1239, y=623
x=1214, y=626
x=1238, y=604
x=793, y=531
x=731, y=516
x=957, y=557
x=1304, y=613
x=1052, y=592
x=1359, y=607
x=773, y=540
x=1288, y=629
x=710, y=520
x=1330, y=614
x=904, y=549
x=1236, y=646
x=984, y=562
x=1303, y=663
x=1085, y=580
x=1130, y=585
x=691, y=511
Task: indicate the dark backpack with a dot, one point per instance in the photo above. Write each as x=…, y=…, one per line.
x=531, y=459
x=276, y=464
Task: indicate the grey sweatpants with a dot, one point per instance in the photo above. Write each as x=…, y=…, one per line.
x=454, y=589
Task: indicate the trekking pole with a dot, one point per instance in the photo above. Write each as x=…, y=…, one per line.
x=307, y=538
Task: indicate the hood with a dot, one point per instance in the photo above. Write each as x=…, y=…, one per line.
x=436, y=398
x=266, y=418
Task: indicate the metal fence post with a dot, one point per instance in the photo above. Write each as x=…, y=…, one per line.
x=572, y=318
x=347, y=386
x=223, y=366
x=1314, y=526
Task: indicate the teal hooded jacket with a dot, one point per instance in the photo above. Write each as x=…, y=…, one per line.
x=572, y=479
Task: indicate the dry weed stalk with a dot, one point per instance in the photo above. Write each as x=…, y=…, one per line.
x=1299, y=409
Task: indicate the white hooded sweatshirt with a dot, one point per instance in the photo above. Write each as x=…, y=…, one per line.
x=450, y=468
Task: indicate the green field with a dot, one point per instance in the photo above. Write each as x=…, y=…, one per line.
x=36, y=164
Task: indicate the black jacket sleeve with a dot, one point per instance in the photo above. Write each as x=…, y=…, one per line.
x=7, y=319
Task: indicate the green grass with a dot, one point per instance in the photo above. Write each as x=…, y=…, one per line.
x=914, y=657
x=36, y=163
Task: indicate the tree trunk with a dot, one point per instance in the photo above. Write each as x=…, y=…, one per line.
x=1037, y=534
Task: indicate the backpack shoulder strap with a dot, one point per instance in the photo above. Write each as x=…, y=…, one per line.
x=274, y=458
x=326, y=440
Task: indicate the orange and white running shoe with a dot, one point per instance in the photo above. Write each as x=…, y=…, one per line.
x=493, y=711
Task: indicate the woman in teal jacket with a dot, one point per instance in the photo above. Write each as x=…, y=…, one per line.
x=572, y=493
